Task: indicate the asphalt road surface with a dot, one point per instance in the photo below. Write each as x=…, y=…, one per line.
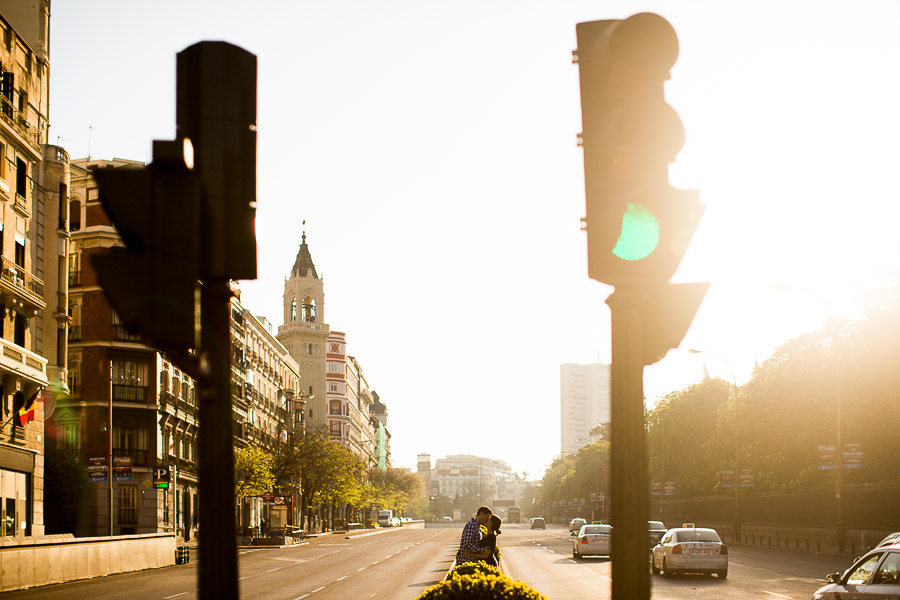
x=399, y=564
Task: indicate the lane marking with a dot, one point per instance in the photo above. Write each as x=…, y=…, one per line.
x=376, y=562
x=360, y=569
x=273, y=570
x=778, y=595
x=175, y=595
x=317, y=590
x=301, y=597
x=341, y=578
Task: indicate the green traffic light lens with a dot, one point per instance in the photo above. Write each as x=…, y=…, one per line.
x=640, y=233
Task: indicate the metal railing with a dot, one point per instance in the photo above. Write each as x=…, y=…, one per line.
x=22, y=279
x=133, y=393
x=17, y=121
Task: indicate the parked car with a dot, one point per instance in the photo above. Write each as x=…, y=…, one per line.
x=890, y=540
x=874, y=575
x=446, y=519
x=576, y=524
x=690, y=550
x=592, y=540
x=657, y=530
x=538, y=523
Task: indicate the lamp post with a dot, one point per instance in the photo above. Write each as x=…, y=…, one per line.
x=737, y=523
x=839, y=453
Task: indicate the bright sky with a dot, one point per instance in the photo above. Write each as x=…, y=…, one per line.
x=431, y=149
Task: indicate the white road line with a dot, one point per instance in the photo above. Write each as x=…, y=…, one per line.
x=360, y=569
x=388, y=556
x=778, y=595
x=341, y=578
x=301, y=597
x=242, y=578
x=273, y=570
x=574, y=562
x=376, y=562
x=175, y=595
x=317, y=590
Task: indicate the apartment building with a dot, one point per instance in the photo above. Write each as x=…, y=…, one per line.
x=151, y=404
x=34, y=179
x=583, y=402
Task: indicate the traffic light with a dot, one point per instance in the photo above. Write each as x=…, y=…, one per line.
x=638, y=226
x=216, y=109
x=152, y=281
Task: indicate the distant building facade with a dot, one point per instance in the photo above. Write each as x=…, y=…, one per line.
x=584, y=403
x=493, y=482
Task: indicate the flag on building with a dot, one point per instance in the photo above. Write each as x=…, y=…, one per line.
x=26, y=413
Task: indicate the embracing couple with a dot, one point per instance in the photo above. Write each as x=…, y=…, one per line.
x=475, y=546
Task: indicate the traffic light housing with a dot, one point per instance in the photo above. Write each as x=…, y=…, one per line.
x=638, y=226
x=216, y=109
x=152, y=281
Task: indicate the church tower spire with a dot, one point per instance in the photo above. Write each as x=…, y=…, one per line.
x=304, y=332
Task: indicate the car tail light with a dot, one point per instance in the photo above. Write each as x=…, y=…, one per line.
x=584, y=540
x=723, y=550
x=676, y=549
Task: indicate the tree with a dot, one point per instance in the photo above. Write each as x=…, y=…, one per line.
x=252, y=472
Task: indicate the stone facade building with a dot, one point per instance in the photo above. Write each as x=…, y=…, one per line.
x=34, y=179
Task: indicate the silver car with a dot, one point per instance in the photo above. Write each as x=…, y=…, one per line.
x=875, y=575
x=690, y=550
x=592, y=540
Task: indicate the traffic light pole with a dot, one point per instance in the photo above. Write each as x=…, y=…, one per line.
x=629, y=488
x=217, y=573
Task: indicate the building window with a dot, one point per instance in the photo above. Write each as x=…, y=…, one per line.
x=75, y=215
x=69, y=437
x=130, y=439
x=127, y=505
x=293, y=309
x=21, y=178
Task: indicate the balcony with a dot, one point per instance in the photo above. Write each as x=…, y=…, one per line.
x=58, y=378
x=20, y=288
x=22, y=362
x=138, y=457
x=15, y=119
x=123, y=335
x=130, y=393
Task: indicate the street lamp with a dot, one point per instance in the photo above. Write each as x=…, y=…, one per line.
x=839, y=453
x=737, y=523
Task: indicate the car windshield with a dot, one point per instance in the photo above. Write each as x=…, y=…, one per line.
x=595, y=529
x=697, y=535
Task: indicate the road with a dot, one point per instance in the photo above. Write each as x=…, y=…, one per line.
x=543, y=558
x=400, y=564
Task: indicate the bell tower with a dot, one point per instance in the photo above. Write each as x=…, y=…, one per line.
x=305, y=332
